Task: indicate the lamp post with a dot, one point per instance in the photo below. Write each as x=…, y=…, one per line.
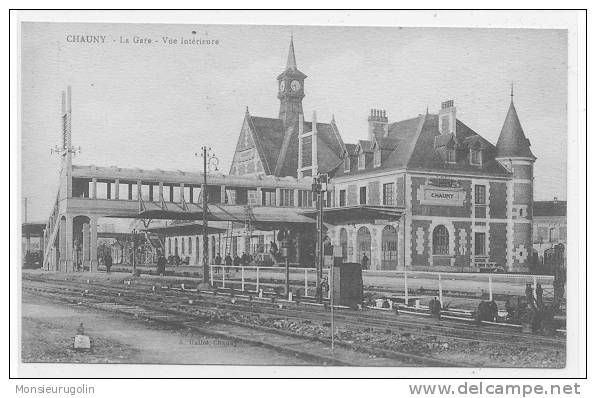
x=210, y=161
x=319, y=187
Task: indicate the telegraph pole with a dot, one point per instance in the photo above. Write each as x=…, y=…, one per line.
x=209, y=160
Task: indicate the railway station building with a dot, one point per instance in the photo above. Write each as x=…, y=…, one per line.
x=426, y=193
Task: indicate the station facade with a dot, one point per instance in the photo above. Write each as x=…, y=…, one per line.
x=459, y=203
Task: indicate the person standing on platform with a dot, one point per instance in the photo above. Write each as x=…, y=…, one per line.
x=161, y=264
x=228, y=260
x=108, y=261
x=364, y=262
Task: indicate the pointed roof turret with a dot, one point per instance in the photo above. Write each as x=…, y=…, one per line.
x=512, y=141
x=291, y=64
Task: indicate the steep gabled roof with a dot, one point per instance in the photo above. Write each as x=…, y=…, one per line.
x=512, y=141
x=268, y=133
x=364, y=146
x=414, y=144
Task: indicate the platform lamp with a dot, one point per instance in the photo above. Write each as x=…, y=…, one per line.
x=319, y=187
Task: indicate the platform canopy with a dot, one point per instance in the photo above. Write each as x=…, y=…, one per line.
x=261, y=217
x=357, y=214
x=184, y=228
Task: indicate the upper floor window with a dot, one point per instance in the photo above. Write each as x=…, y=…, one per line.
x=304, y=198
x=362, y=195
x=342, y=197
x=377, y=157
x=286, y=197
x=347, y=163
x=480, y=194
x=388, y=194
x=451, y=155
x=268, y=198
x=475, y=157
x=361, y=161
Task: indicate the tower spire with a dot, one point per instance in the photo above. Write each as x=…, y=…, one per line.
x=291, y=64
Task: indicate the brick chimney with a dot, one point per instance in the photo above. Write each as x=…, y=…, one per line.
x=377, y=124
x=447, y=118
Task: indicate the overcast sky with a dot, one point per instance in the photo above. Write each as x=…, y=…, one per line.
x=154, y=105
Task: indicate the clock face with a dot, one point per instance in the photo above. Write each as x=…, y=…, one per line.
x=295, y=85
x=282, y=85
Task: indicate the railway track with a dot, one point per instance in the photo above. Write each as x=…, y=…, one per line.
x=374, y=320
x=170, y=312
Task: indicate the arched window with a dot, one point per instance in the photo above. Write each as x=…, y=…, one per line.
x=389, y=248
x=169, y=246
x=189, y=245
x=175, y=246
x=182, y=242
x=363, y=240
x=440, y=240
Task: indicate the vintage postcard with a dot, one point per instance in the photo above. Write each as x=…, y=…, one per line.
x=366, y=199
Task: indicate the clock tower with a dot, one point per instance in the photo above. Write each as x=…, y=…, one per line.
x=290, y=90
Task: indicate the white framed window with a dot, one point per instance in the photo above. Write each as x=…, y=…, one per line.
x=475, y=157
x=377, y=157
x=361, y=160
x=451, y=155
x=347, y=163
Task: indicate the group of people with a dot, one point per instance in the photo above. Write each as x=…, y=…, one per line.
x=236, y=261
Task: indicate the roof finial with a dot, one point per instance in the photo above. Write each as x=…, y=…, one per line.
x=247, y=109
x=511, y=91
x=427, y=109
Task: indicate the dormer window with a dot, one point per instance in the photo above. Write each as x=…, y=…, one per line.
x=361, y=160
x=450, y=155
x=475, y=157
x=347, y=162
x=377, y=157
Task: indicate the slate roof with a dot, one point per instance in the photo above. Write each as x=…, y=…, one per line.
x=269, y=134
x=550, y=208
x=414, y=147
x=512, y=140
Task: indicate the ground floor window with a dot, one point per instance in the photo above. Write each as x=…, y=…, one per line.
x=440, y=240
x=363, y=242
x=479, y=243
x=389, y=248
